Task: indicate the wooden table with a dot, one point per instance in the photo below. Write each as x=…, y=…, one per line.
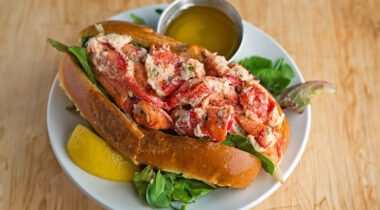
x=337, y=40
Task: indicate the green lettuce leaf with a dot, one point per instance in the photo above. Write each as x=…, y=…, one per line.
x=58, y=45
x=80, y=55
x=228, y=141
x=299, y=96
x=245, y=144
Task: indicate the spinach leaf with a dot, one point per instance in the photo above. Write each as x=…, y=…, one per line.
x=79, y=53
x=256, y=63
x=137, y=20
x=142, y=179
x=81, y=56
x=279, y=64
x=159, y=11
x=288, y=71
x=282, y=66
x=162, y=189
x=58, y=45
x=275, y=78
x=180, y=192
x=198, y=188
x=228, y=141
x=184, y=206
x=158, y=193
x=188, y=190
x=244, y=144
x=84, y=40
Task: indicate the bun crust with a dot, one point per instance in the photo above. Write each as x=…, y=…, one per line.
x=206, y=161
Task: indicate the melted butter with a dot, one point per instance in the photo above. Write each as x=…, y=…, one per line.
x=207, y=27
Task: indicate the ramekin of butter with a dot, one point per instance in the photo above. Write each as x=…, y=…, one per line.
x=213, y=24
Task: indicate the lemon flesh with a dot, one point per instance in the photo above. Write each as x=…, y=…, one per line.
x=94, y=155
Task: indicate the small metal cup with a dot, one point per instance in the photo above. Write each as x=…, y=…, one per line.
x=174, y=9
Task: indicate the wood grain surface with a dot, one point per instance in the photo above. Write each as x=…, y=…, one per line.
x=336, y=40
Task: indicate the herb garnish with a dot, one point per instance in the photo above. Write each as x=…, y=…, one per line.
x=155, y=71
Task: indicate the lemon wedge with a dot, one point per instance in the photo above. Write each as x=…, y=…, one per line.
x=94, y=155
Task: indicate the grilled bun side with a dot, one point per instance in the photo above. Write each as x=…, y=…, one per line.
x=203, y=160
x=104, y=116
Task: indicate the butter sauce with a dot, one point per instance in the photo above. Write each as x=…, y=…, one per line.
x=207, y=27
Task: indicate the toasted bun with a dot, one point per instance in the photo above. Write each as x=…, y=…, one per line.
x=206, y=161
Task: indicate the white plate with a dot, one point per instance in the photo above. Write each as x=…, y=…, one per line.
x=117, y=195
